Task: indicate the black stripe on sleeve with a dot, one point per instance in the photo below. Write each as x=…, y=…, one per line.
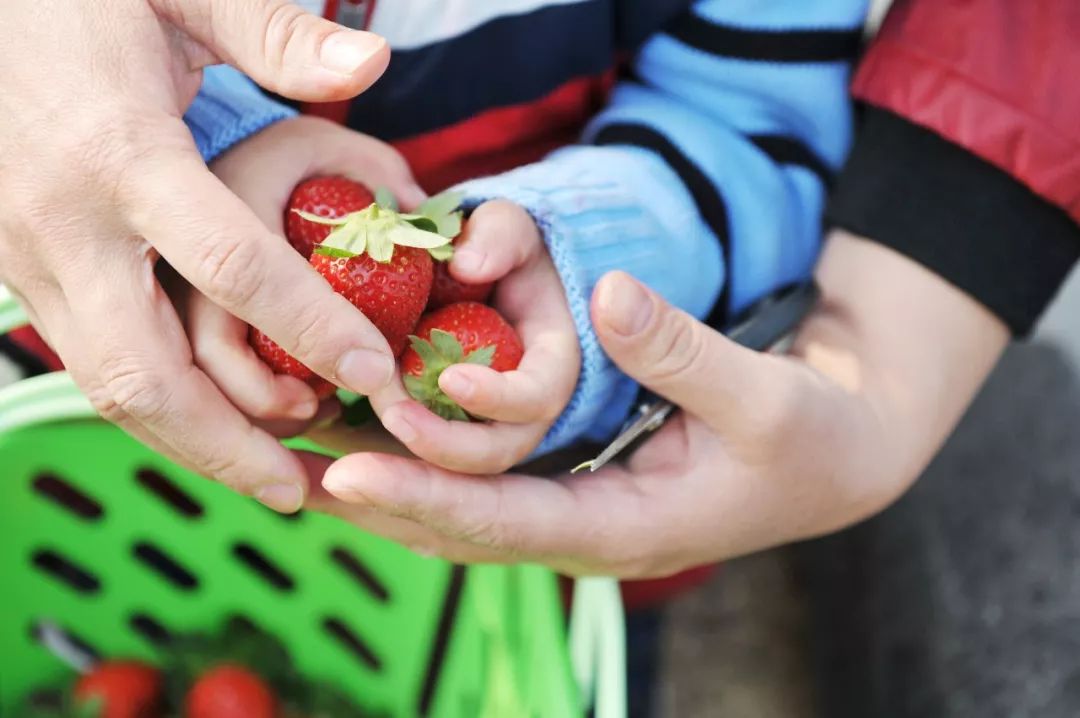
x=969, y=222
x=707, y=198
x=789, y=151
x=766, y=45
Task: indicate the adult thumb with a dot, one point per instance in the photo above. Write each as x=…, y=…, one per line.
x=676, y=356
x=282, y=47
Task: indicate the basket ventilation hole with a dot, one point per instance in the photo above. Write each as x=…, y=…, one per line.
x=149, y=628
x=166, y=490
x=67, y=496
x=63, y=569
x=261, y=565
x=352, y=642
x=359, y=571
x=169, y=569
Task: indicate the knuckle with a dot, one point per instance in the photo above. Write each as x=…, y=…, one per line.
x=281, y=32
x=224, y=467
x=104, y=404
x=316, y=327
x=679, y=350
x=230, y=270
x=135, y=389
x=486, y=527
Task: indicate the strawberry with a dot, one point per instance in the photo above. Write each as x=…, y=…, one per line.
x=447, y=290
x=282, y=363
x=392, y=295
x=329, y=197
x=230, y=691
x=381, y=260
x=124, y=689
x=466, y=332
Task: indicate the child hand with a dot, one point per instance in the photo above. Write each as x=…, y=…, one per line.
x=502, y=244
x=262, y=171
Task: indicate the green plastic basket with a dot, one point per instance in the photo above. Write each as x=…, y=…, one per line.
x=119, y=548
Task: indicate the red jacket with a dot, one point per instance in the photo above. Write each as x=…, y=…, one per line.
x=1000, y=78
x=967, y=156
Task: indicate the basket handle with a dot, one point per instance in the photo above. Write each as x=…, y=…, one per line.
x=12, y=315
x=598, y=646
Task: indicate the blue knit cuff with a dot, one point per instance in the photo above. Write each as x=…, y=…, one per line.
x=228, y=109
x=601, y=209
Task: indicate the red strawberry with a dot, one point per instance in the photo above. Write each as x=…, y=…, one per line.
x=282, y=363
x=125, y=689
x=392, y=295
x=330, y=197
x=466, y=332
x=447, y=290
x=381, y=261
x=230, y=691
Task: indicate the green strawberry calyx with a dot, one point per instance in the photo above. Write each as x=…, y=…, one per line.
x=378, y=228
x=441, y=351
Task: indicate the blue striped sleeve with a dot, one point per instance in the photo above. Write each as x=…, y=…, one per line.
x=747, y=100
x=228, y=109
x=705, y=177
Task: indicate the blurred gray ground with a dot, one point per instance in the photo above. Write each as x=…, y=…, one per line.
x=961, y=601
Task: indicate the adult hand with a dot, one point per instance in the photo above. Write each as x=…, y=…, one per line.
x=263, y=171
x=99, y=176
x=768, y=449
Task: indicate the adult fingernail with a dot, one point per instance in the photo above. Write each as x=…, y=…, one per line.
x=365, y=371
x=457, y=384
x=468, y=260
x=624, y=305
x=345, y=52
x=285, y=498
x=338, y=484
x=399, y=426
x=304, y=409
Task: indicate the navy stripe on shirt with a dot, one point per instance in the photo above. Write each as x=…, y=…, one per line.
x=707, y=197
x=508, y=61
x=766, y=45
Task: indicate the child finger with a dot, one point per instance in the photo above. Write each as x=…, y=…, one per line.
x=521, y=396
x=467, y=447
x=220, y=347
x=498, y=237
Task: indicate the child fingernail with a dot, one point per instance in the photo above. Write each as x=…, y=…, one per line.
x=625, y=306
x=399, y=426
x=304, y=409
x=469, y=261
x=284, y=498
x=365, y=371
x=457, y=384
x=345, y=52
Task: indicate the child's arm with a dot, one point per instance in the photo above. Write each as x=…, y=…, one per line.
x=705, y=177
x=228, y=109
